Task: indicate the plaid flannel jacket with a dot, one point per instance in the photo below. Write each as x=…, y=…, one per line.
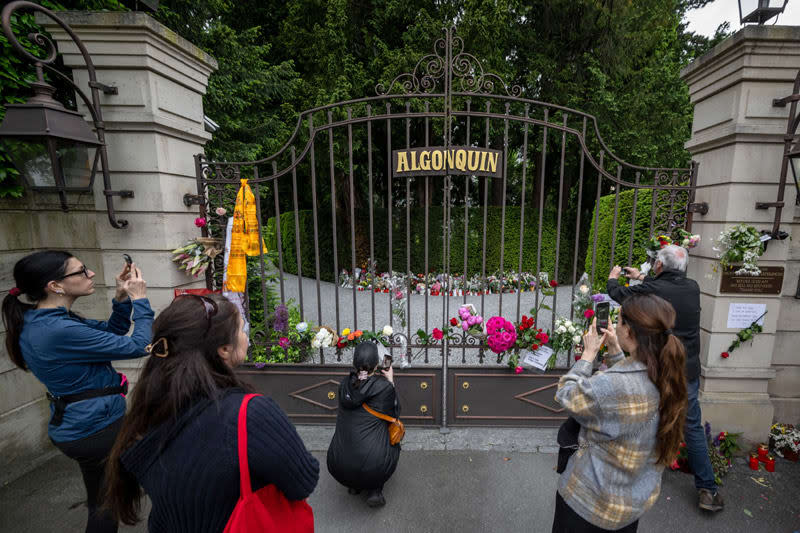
x=612, y=478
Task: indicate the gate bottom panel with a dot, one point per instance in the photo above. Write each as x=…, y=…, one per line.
x=309, y=393
x=496, y=397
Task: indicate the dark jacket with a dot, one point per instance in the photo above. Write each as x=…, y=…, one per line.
x=360, y=456
x=71, y=354
x=190, y=469
x=684, y=295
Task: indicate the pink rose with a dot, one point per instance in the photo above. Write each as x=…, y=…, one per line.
x=509, y=326
x=283, y=342
x=518, y=370
x=220, y=211
x=200, y=222
x=438, y=334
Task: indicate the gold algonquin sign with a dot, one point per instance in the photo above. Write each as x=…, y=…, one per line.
x=438, y=160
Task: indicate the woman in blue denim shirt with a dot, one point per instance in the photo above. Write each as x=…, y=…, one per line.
x=72, y=357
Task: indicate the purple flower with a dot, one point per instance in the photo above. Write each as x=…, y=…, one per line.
x=708, y=429
x=260, y=365
x=281, y=322
x=597, y=298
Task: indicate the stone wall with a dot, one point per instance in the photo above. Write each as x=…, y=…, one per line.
x=154, y=126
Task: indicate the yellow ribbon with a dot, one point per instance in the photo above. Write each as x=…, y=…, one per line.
x=244, y=239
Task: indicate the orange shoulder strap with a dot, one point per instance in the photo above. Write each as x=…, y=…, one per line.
x=373, y=412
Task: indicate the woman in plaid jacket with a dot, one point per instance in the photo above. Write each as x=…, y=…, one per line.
x=631, y=416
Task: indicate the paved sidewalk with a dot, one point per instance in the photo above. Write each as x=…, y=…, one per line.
x=458, y=490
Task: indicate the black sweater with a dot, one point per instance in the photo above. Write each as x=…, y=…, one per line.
x=684, y=295
x=193, y=482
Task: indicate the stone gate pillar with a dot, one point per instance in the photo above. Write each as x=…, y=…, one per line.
x=154, y=126
x=737, y=139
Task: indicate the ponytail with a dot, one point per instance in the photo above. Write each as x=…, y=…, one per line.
x=671, y=384
x=32, y=273
x=651, y=319
x=13, y=318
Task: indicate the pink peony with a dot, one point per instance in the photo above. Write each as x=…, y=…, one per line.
x=478, y=319
x=472, y=320
x=465, y=325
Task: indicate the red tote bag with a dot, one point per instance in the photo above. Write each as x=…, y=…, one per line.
x=267, y=510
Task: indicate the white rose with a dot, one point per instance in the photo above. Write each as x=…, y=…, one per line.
x=301, y=327
x=584, y=289
x=387, y=330
x=576, y=339
x=561, y=329
x=571, y=328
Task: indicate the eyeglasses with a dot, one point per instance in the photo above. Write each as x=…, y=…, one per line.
x=209, y=306
x=83, y=270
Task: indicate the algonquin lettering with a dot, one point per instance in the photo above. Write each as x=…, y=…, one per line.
x=438, y=160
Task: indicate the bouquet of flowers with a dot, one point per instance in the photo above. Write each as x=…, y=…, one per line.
x=324, y=338
x=196, y=256
x=566, y=335
x=720, y=451
x=740, y=244
x=684, y=238
x=501, y=334
x=785, y=440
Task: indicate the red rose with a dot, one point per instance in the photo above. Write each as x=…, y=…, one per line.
x=453, y=321
x=341, y=343
x=545, y=339
x=538, y=336
x=589, y=313
x=725, y=355
x=438, y=334
x=535, y=347
x=553, y=283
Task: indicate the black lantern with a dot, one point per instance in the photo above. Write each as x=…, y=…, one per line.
x=760, y=11
x=54, y=148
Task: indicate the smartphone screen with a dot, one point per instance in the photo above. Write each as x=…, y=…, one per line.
x=387, y=361
x=601, y=312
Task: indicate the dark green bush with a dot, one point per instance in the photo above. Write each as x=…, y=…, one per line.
x=416, y=238
x=605, y=232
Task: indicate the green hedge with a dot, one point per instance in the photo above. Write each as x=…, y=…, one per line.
x=435, y=239
x=605, y=229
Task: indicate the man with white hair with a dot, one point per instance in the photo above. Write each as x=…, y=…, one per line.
x=670, y=283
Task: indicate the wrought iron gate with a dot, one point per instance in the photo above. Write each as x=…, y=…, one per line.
x=332, y=189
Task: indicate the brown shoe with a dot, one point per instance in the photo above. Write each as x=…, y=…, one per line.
x=710, y=501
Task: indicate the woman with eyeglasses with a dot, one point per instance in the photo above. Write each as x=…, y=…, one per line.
x=179, y=442
x=72, y=355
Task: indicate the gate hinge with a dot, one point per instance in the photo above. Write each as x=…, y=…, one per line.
x=192, y=199
x=699, y=207
x=767, y=205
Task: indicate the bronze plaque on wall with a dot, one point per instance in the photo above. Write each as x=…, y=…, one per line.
x=770, y=281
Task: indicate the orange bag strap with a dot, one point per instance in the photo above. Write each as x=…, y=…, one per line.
x=382, y=416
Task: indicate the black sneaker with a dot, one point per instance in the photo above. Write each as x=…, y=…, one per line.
x=375, y=498
x=710, y=501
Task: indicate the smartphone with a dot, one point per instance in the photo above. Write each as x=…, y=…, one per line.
x=127, y=259
x=601, y=311
x=387, y=362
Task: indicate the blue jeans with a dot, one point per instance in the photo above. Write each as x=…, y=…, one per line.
x=696, y=444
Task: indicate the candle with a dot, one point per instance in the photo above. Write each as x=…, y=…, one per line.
x=763, y=451
x=753, y=461
x=770, y=463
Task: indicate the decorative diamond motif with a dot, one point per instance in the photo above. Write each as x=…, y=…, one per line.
x=299, y=394
x=522, y=397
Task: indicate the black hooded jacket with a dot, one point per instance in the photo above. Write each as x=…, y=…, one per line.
x=360, y=456
x=684, y=295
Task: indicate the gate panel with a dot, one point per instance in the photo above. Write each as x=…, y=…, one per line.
x=336, y=217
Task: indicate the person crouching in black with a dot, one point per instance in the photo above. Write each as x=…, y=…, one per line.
x=360, y=456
